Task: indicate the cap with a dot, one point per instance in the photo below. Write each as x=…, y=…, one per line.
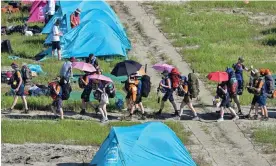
x=78, y=10
x=73, y=59
x=14, y=65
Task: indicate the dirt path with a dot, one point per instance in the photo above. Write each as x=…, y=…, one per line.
x=223, y=144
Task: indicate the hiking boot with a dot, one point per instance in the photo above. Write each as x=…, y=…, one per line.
x=236, y=118
x=82, y=112
x=240, y=113
x=102, y=120
x=143, y=117
x=26, y=111
x=129, y=117
x=255, y=117
x=178, y=118
x=158, y=113
x=196, y=118
x=220, y=120
x=176, y=113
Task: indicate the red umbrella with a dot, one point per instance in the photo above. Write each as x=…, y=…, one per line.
x=218, y=76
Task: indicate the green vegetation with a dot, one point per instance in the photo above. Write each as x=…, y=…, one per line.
x=67, y=132
x=221, y=37
x=266, y=135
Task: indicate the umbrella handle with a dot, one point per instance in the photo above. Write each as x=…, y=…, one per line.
x=146, y=66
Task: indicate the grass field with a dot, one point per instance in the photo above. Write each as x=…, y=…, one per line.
x=71, y=132
x=221, y=37
x=266, y=135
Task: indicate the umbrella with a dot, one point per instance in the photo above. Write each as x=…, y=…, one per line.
x=100, y=77
x=218, y=76
x=83, y=66
x=162, y=67
x=126, y=67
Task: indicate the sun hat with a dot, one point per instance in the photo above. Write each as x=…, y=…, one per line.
x=78, y=10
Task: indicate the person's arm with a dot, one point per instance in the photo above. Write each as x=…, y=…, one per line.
x=224, y=90
x=72, y=20
x=20, y=80
x=57, y=89
x=85, y=81
x=166, y=86
x=260, y=86
x=71, y=72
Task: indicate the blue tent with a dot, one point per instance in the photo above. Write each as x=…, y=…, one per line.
x=151, y=143
x=92, y=37
x=101, y=15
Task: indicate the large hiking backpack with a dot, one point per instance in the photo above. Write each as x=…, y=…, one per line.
x=193, y=85
x=81, y=84
x=110, y=90
x=51, y=86
x=26, y=74
x=6, y=46
x=175, y=78
x=146, y=86
x=66, y=90
x=233, y=86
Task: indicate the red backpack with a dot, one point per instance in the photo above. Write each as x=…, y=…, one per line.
x=175, y=78
x=51, y=86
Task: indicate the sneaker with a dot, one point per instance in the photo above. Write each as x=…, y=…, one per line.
x=176, y=113
x=82, y=112
x=102, y=120
x=177, y=118
x=264, y=119
x=106, y=119
x=196, y=118
x=220, y=120
x=25, y=111
x=255, y=117
x=158, y=113
x=236, y=118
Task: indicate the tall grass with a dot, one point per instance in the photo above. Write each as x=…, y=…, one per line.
x=221, y=37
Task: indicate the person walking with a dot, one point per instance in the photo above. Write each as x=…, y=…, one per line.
x=56, y=39
x=168, y=94
x=239, y=67
x=138, y=101
x=232, y=85
x=103, y=99
x=85, y=96
x=18, y=86
x=94, y=62
x=222, y=92
x=66, y=71
x=187, y=100
x=56, y=94
x=75, y=18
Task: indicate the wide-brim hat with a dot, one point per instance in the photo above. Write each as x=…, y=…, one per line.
x=78, y=10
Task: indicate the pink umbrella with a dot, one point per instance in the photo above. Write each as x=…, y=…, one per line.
x=100, y=77
x=162, y=67
x=83, y=66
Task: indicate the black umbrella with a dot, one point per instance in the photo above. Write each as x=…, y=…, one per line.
x=126, y=67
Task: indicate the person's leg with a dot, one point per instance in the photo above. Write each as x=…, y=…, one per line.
x=59, y=55
x=105, y=111
x=236, y=100
x=171, y=99
x=221, y=113
x=164, y=99
x=59, y=108
x=141, y=107
x=14, y=102
x=102, y=112
x=233, y=113
x=25, y=103
x=182, y=105
x=190, y=105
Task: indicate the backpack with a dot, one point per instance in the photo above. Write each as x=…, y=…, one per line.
x=66, y=90
x=110, y=90
x=180, y=92
x=175, y=78
x=81, y=84
x=26, y=74
x=51, y=86
x=269, y=81
x=6, y=46
x=233, y=86
x=14, y=80
x=146, y=86
x=193, y=85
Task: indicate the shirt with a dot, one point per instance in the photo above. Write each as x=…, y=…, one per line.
x=56, y=33
x=238, y=71
x=66, y=69
x=75, y=20
x=51, y=7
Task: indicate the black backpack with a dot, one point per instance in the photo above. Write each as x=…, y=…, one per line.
x=26, y=74
x=81, y=84
x=66, y=90
x=110, y=90
x=6, y=46
x=146, y=86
